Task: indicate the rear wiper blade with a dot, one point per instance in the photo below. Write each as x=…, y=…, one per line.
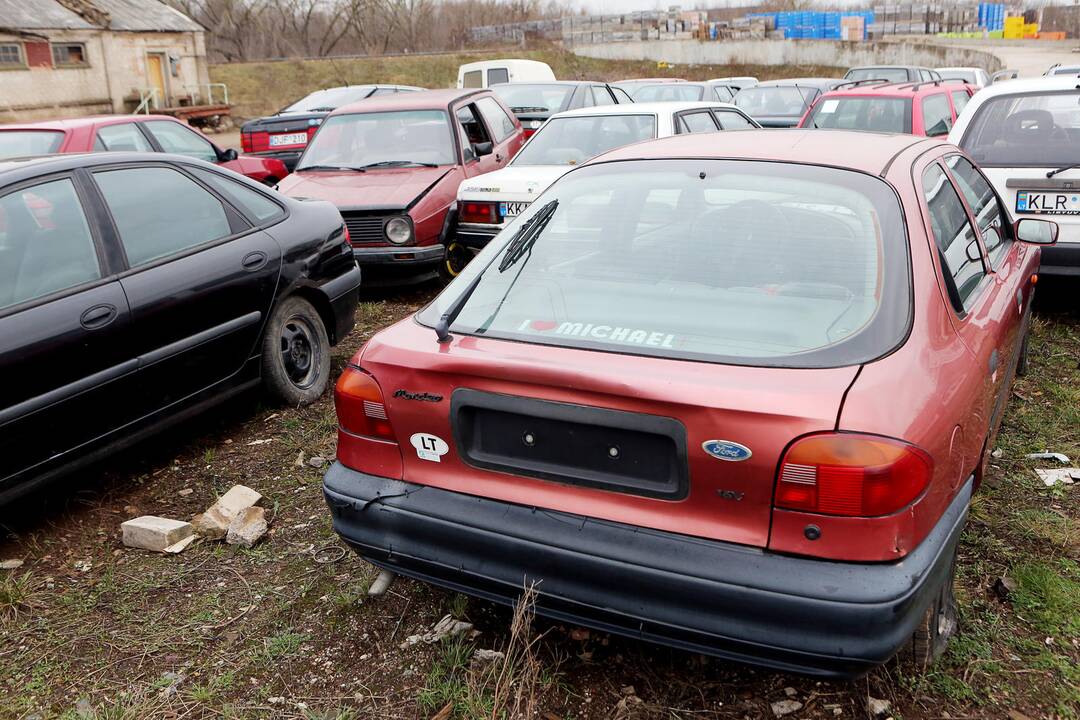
x=1052, y=173
x=528, y=108
x=398, y=163
x=331, y=167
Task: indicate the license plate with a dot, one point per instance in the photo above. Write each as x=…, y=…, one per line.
x=512, y=209
x=1039, y=202
x=288, y=139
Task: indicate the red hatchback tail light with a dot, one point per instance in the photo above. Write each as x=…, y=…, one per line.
x=851, y=475
x=479, y=212
x=360, y=408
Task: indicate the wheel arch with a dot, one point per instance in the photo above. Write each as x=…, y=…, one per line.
x=319, y=301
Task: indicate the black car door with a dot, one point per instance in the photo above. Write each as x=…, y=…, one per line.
x=65, y=357
x=200, y=281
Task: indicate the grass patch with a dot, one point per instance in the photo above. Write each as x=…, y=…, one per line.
x=282, y=645
x=16, y=595
x=1048, y=595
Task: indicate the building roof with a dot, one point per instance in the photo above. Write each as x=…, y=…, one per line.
x=120, y=15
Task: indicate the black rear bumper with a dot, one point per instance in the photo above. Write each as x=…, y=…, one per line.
x=796, y=614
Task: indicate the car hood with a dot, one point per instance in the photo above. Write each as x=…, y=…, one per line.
x=512, y=183
x=393, y=188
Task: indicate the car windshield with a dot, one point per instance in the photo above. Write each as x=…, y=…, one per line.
x=1033, y=130
x=878, y=114
x=23, y=143
x=326, y=100
x=573, y=140
x=878, y=73
x=753, y=263
x=359, y=139
x=522, y=97
x=965, y=75
x=776, y=100
x=668, y=92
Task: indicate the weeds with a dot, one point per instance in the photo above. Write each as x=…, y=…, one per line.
x=16, y=595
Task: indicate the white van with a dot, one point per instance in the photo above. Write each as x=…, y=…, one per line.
x=485, y=73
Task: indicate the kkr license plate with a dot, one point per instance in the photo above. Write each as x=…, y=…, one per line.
x=288, y=139
x=512, y=209
x=1039, y=202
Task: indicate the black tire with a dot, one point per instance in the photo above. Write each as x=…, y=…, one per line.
x=455, y=258
x=939, y=623
x=1022, y=362
x=295, y=353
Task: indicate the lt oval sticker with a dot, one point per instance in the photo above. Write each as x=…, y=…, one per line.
x=429, y=447
x=726, y=450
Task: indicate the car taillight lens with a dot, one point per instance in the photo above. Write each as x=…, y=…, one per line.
x=479, y=212
x=360, y=407
x=245, y=142
x=527, y=133
x=851, y=475
x=256, y=141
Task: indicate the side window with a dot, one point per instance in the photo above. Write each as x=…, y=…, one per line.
x=960, y=100
x=251, y=202
x=937, y=117
x=620, y=95
x=992, y=220
x=470, y=122
x=697, y=122
x=45, y=243
x=472, y=79
x=723, y=93
x=151, y=229
x=732, y=120
x=175, y=138
x=601, y=96
x=497, y=120
x=498, y=75
x=124, y=136
x=957, y=245
x=383, y=91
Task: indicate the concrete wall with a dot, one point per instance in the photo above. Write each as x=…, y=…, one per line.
x=793, y=52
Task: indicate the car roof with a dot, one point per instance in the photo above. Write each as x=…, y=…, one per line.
x=857, y=150
x=790, y=82
x=15, y=169
x=1030, y=85
x=965, y=69
x=645, y=108
x=571, y=83
x=892, y=67
x=423, y=100
x=901, y=89
x=73, y=123
x=479, y=64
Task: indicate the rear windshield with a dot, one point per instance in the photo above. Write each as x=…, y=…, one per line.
x=1034, y=130
x=327, y=100
x=752, y=263
x=525, y=98
x=878, y=73
x=965, y=75
x=573, y=140
x=23, y=143
x=780, y=100
x=879, y=114
x=668, y=92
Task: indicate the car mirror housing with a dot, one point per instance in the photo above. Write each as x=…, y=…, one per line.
x=483, y=148
x=228, y=155
x=1036, y=232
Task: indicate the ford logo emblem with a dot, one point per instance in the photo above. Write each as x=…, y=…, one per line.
x=726, y=450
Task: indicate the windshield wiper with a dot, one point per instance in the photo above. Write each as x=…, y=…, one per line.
x=398, y=163
x=331, y=167
x=1052, y=173
x=521, y=244
x=528, y=108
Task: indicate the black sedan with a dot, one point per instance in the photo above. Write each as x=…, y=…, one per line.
x=286, y=133
x=782, y=103
x=533, y=103
x=136, y=290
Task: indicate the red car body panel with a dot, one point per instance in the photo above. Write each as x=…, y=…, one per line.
x=917, y=93
x=80, y=134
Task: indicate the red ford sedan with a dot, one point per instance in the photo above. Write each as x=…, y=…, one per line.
x=730, y=393
x=141, y=133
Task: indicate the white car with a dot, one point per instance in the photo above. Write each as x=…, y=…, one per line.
x=1025, y=135
x=485, y=73
x=486, y=203
x=973, y=76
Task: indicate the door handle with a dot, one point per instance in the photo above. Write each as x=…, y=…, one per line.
x=498, y=157
x=98, y=316
x=253, y=261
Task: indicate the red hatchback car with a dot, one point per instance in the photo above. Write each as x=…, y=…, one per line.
x=392, y=165
x=731, y=393
x=924, y=108
x=142, y=133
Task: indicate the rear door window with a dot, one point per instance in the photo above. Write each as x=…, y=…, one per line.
x=601, y=96
x=993, y=222
x=620, y=95
x=175, y=138
x=730, y=120
x=936, y=115
x=958, y=247
x=697, y=122
x=723, y=93
x=122, y=136
x=251, y=202
x=960, y=99
x=497, y=120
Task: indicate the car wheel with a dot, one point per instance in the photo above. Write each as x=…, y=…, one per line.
x=295, y=353
x=456, y=257
x=1022, y=362
x=939, y=623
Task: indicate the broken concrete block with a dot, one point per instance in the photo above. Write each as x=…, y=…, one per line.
x=179, y=547
x=214, y=523
x=150, y=532
x=877, y=706
x=211, y=524
x=247, y=527
x=785, y=707
x=12, y=564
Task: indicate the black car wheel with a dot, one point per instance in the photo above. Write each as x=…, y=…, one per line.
x=938, y=625
x=455, y=259
x=296, y=353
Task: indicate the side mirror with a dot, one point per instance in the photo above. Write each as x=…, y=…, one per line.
x=1036, y=232
x=484, y=148
x=228, y=155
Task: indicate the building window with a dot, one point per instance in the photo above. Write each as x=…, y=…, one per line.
x=11, y=55
x=69, y=54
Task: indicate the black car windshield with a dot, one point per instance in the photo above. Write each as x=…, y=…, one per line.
x=524, y=97
x=776, y=100
x=24, y=143
x=1031, y=130
x=327, y=100
x=399, y=138
x=752, y=263
x=573, y=140
x=893, y=74
x=668, y=92
x=878, y=114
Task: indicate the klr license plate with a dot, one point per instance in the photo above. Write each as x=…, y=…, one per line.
x=288, y=139
x=512, y=209
x=1039, y=202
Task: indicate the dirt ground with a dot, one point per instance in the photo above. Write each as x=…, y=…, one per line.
x=90, y=629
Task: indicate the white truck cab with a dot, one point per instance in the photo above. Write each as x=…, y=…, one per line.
x=486, y=73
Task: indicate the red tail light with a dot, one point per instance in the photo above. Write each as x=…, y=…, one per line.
x=360, y=407
x=851, y=475
x=348, y=237
x=255, y=142
x=245, y=142
x=479, y=212
x=527, y=133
